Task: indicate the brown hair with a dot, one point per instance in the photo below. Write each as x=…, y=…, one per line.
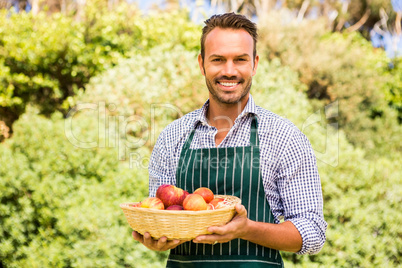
x=229, y=21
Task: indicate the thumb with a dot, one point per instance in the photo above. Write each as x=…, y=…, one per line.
x=241, y=210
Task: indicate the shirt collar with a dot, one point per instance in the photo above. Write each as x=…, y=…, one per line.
x=250, y=108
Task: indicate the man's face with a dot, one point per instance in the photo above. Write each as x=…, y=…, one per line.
x=228, y=65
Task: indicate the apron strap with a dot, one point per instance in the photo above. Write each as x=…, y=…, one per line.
x=187, y=144
x=254, y=141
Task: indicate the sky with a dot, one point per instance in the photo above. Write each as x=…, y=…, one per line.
x=199, y=9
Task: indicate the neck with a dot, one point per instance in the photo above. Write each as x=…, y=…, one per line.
x=222, y=116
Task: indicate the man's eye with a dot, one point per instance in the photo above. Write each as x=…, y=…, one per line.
x=217, y=60
x=241, y=59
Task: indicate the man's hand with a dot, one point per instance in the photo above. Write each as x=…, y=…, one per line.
x=283, y=236
x=236, y=228
x=158, y=245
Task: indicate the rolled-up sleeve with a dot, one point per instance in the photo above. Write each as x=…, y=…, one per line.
x=301, y=194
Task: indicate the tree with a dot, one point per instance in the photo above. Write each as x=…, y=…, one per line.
x=397, y=6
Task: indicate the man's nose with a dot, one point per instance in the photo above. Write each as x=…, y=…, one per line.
x=229, y=69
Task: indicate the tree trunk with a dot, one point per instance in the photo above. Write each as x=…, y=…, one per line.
x=303, y=10
x=360, y=23
x=35, y=7
x=398, y=21
x=80, y=9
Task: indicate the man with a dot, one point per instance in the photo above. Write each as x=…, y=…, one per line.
x=234, y=147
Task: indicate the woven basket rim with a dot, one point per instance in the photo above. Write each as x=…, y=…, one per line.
x=178, y=224
x=126, y=205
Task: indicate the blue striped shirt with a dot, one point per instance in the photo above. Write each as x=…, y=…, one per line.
x=287, y=162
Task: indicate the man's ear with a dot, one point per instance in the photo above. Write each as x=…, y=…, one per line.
x=201, y=64
x=257, y=58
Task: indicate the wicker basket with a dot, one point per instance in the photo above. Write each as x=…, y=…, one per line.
x=178, y=224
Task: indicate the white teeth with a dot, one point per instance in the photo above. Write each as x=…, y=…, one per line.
x=227, y=84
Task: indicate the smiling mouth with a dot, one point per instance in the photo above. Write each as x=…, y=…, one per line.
x=228, y=84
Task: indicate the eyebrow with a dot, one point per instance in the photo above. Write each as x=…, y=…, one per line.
x=220, y=56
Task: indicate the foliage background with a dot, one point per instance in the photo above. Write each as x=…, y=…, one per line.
x=59, y=200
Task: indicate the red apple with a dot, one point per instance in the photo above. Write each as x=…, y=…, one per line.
x=210, y=207
x=194, y=202
x=170, y=195
x=136, y=205
x=206, y=193
x=218, y=202
x=175, y=207
x=152, y=202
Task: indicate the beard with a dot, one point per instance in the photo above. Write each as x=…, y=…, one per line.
x=228, y=98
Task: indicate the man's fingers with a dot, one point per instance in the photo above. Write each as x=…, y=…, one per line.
x=161, y=243
x=148, y=241
x=211, y=239
x=241, y=210
x=217, y=230
x=173, y=244
x=138, y=237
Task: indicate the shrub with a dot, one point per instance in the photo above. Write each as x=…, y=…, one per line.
x=339, y=67
x=46, y=59
x=361, y=196
x=60, y=203
x=149, y=90
x=394, y=93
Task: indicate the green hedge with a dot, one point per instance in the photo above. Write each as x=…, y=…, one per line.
x=46, y=59
x=361, y=196
x=341, y=67
x=59, y=202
